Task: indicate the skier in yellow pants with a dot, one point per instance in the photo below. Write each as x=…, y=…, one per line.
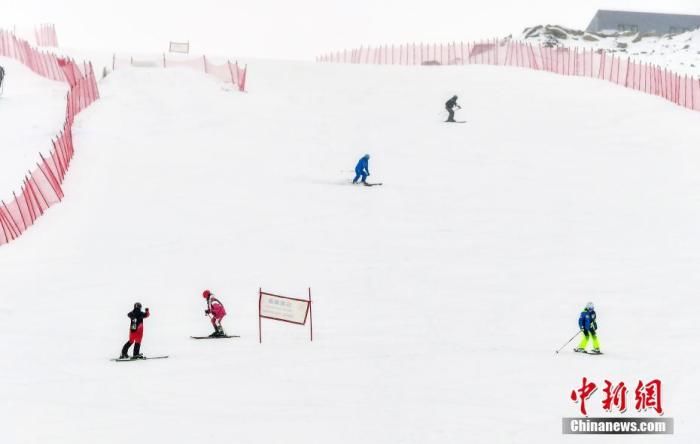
x=587, y=324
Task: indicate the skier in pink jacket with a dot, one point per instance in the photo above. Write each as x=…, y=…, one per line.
x=216, y=312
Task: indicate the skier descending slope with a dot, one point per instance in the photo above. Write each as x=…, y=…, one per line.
x=135, y=332
x=362, y=169
x=215, y=310
x=588, y=325
x=449, y=106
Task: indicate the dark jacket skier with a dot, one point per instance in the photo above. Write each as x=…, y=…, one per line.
x=135, y=331
x=449, y=106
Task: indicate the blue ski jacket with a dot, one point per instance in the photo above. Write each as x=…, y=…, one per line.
x=363, y=165
x=587, y=321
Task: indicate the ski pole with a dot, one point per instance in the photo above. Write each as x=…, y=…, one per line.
x=567, y=342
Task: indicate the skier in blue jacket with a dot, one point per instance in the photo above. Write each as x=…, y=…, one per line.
x=588, y=325
x=362, y=169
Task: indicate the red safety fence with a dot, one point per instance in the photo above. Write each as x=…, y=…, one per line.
x=42, y=63
x=41, y=187
x=228, y=72
x=680, y=89
x=46, y=35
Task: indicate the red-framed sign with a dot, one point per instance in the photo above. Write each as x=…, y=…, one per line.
x=285, y=309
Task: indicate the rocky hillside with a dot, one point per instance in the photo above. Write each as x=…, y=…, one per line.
x=680, y=52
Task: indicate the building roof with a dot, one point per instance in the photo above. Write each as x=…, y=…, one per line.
x=660, y=22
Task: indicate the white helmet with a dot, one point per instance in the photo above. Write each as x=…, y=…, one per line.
x=589, y=306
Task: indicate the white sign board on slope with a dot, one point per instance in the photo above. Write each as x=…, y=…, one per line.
x=183, y=48
x=283, y=309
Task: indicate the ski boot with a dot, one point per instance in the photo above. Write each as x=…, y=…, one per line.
x=137, y=352
x=580, y=350
x=595, y=351
x=125, y=351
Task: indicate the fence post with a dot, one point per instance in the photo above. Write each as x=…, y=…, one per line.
x=244, y=77
x=230, y=70
x=19, y=208
x=52, y=181
x=4, y=231
x=692, y=93
x=11, y=219
x=32, y=186
x=28, y=200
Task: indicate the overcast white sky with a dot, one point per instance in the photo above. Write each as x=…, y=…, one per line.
x=301, y=29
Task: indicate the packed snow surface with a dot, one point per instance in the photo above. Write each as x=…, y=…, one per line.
x=439, y=298
x=32, y=112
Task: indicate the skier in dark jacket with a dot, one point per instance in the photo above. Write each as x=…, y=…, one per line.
x=2, y=76
x=588, y=325
x=362, y=169
x=449, y=106
x=135, y=331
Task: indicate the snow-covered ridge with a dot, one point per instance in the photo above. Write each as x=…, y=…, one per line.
x=678, y=52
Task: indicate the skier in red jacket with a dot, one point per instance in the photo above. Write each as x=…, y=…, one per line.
x=215, y=310
x=135, y=331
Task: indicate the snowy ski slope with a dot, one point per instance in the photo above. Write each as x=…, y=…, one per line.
x=439, y=298
x=32, y=111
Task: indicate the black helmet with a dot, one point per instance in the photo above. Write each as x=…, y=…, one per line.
x=137, y=306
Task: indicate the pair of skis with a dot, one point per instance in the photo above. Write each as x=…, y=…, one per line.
x=215, y=337
x=588, y=352
x=145, y=358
